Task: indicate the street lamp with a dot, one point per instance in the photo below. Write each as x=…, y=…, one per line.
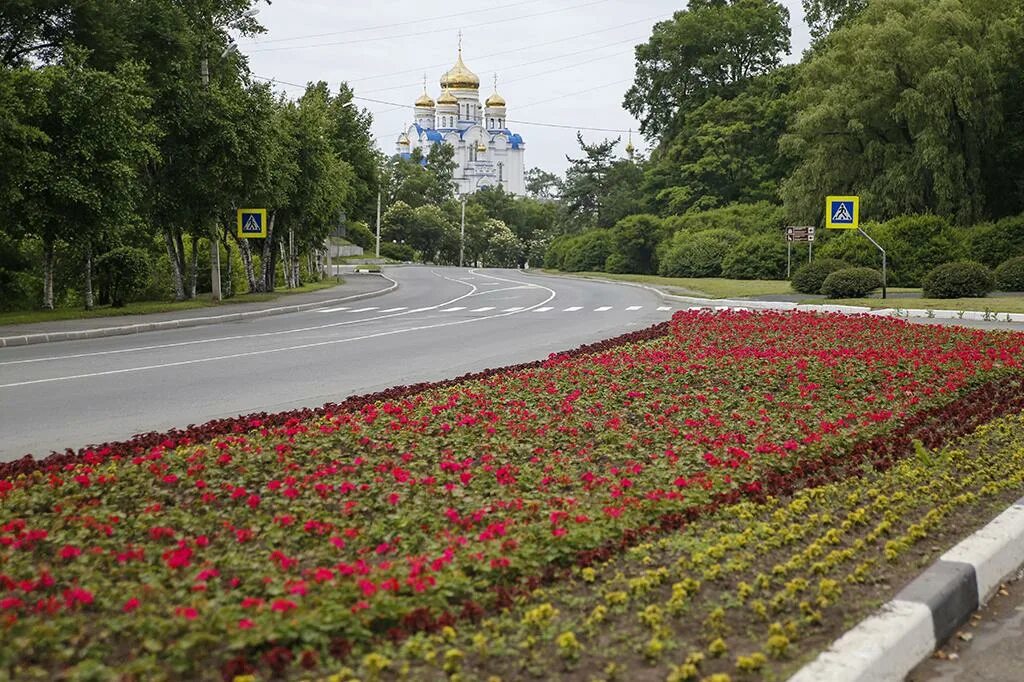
x=462, y=232
x=204, y=74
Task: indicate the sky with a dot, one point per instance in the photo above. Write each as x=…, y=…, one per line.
x=561, y=63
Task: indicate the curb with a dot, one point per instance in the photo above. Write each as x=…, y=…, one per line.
x=30, y=339
x=899, y=313
x=891, y=643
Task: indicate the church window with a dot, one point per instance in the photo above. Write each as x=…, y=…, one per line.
x=501, y=167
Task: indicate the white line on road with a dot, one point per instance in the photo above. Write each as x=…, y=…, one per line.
x=572, y=309
x=363, y=310
x=303, y=346
x=513, y=310
x=602, y=309
x=392, y=310
x=634, y=307
x=482, y=310
x=453, y=310
x=331, y=310
x=542, y=310
x=663, y=308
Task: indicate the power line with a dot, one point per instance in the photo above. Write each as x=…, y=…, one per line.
x=504, y=20
x=257, y=41
x=397, y=105
x=573, y=94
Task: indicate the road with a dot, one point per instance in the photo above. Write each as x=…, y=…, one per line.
x=439, y=323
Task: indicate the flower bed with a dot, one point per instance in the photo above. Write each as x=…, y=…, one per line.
x=289, y=543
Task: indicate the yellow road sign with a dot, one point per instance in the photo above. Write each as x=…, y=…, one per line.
x=842, y=213
x=252, y=223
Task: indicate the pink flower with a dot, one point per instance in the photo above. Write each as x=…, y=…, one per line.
x=246, y=624
x=130, y=605
x=283, y=605
x=186, y=612
x=69, y=552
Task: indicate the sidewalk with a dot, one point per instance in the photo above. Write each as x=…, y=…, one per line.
x=355, y=287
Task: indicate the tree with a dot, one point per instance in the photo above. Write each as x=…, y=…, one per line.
x=825, y=16
x=542, y=185
x=912, y=132
x=352, y=141
x=704, y=51
x=89, y=187
x=635, y=240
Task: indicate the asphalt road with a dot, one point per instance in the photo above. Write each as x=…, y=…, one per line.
x=439, y=323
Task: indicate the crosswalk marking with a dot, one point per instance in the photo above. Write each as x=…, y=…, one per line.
x=331, y=310
x=482, y=310
x=512, y=310
x=663, y=308
x=602, y=309
x=572, y=309
x=634, y=307
x=392, y=310
x=542, y=310
x=453, y=310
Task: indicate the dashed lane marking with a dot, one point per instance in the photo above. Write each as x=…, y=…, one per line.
x=482, y=310
x=453, y=310
x=572, y=309
x=602, y=309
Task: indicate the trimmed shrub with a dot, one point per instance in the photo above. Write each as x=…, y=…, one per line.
x=990, y=244
x=697, y=255
x=748, y=219
x=397, y=251
x=360, y=234
x=809, y=277
x=959, y=279
x=851, y=283
x=588, y=251
x=1010, y=275
x=759, y=257
x=122, y=273
x=618, y=264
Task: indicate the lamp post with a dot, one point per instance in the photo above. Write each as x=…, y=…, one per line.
x=204, y=74
x=462, y=232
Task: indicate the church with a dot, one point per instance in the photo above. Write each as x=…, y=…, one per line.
x=488, y=154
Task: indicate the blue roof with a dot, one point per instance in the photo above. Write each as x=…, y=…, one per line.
x=434, y=136
x=516, y=140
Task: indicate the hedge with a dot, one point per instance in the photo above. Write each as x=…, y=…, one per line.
x=851, y=283
x=808, y=278
x=959, y=279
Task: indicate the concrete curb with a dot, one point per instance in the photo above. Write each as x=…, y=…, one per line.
x=30, y=339
x=900, y=313
x=905, y=631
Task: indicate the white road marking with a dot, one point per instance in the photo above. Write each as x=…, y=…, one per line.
x=572, y=309
x=331, y=310
x=303, y=346
x=363, y=310
x=634, y=307
x=602, y=309
x=392, y=310
x=663, y=308
x=542, y=310
x=482, y=310
x=514, y=310
x=453, y=310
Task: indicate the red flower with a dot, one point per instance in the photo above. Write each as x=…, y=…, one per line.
x=69, y=552
x=246, y=624
x=186, y=612
x=130, y=605
x=76, y=595
x=283, y=605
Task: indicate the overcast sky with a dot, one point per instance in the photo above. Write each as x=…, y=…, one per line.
x=562, y=62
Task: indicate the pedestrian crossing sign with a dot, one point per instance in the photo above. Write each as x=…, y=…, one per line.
x=842, y=213
x=252, y=223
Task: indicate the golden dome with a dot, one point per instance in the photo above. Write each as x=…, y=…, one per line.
x=495, y=100
x=459, y=76
x=403, y=140
x=425, y=101
x=447, y=98
x=481, y=147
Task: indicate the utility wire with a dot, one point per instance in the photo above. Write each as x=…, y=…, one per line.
x=432, y=31
x=397, y=105
x=257, y=41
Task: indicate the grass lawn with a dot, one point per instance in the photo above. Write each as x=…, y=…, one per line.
x=145, y=307
x=995, y=304
x=711, y=287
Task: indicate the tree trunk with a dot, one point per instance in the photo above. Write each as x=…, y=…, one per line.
x=195, y=268
x=229, y=289
x=269, y=256
x=250, y=276
x=48, y=274
x=88, y=274
x=177, y=266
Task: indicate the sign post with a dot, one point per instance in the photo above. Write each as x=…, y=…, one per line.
x=252, y=223
x=803, y=233
x=843, y=213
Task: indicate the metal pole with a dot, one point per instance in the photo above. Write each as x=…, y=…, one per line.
x=789, y=258
x=378, y=223
x=810, y=250
x=879, y=247
x=462, y=232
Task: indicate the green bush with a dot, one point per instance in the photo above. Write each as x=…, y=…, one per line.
x=991, y=243
x=361, y=235
x=122, y=273
x=617, y=263
x=697, y=255
x=397, y=251
x=959, y=279
x=808, y=278
x=1010, y=275
x=851, y=283
x=747, y=219
x=588, y=251
x=914, y=246
x=762, y=256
